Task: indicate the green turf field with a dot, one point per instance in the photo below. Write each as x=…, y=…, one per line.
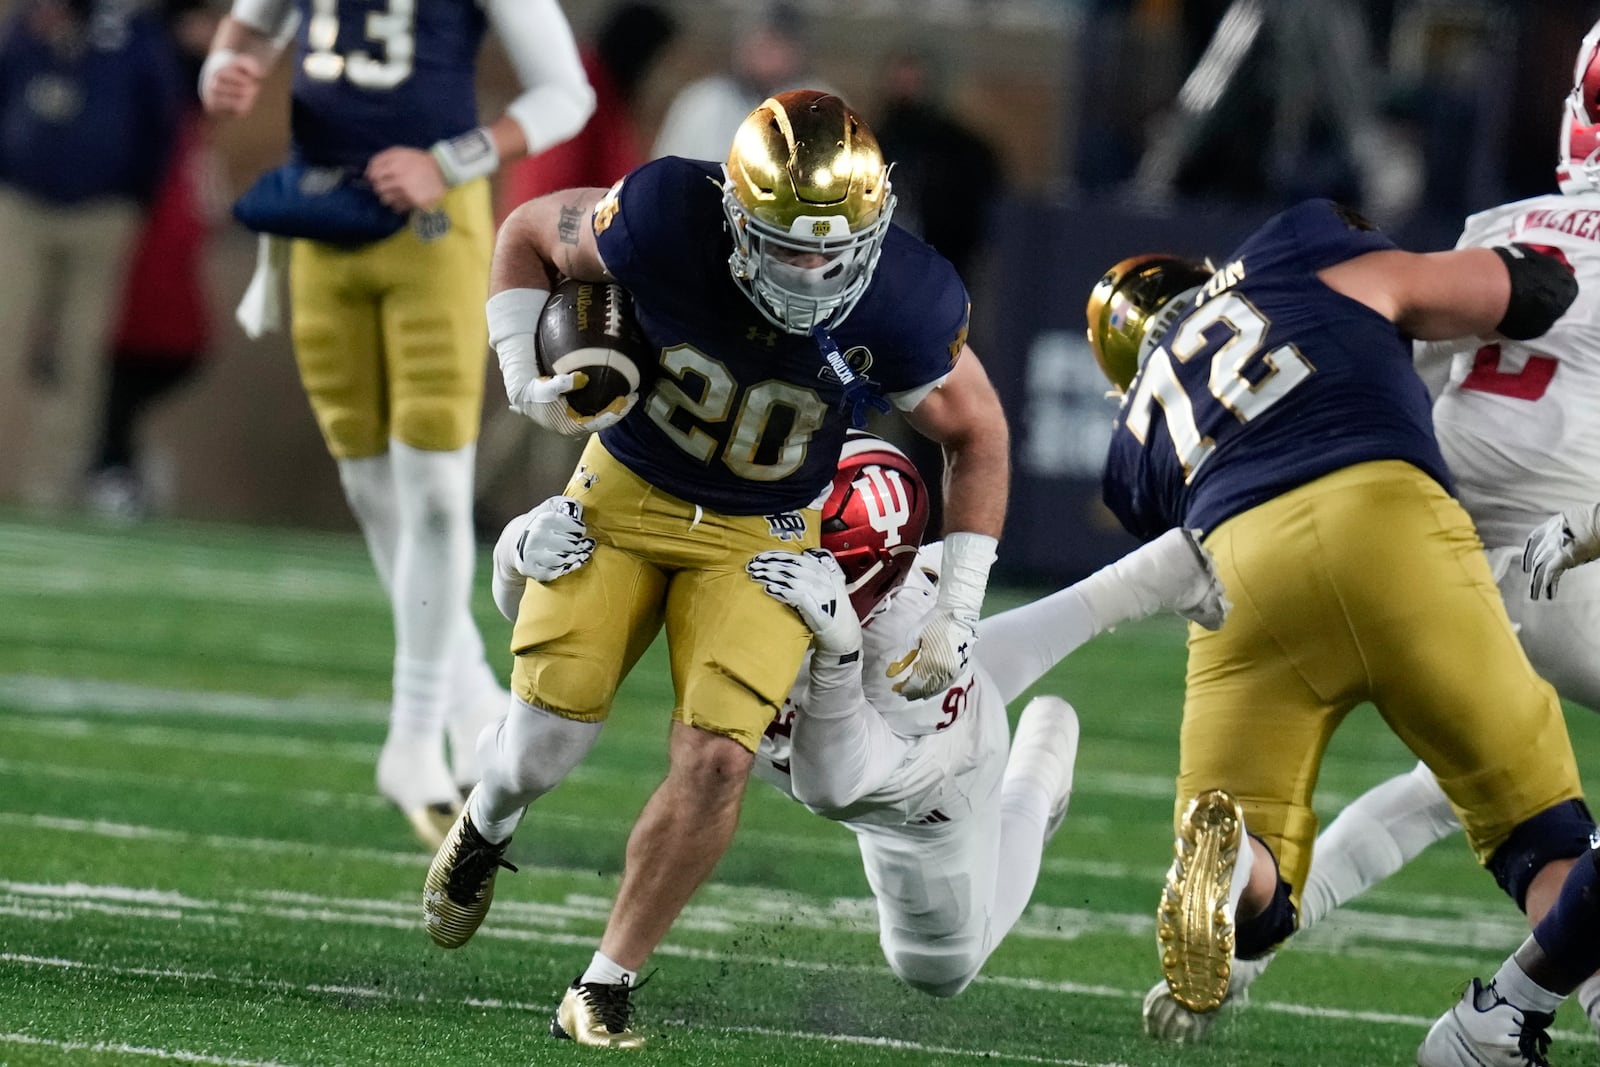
x=196, y=867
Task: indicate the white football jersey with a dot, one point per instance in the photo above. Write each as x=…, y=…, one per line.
x=946, y=746
x=1519, y=421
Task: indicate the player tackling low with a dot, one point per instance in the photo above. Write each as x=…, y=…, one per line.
x=950, y=813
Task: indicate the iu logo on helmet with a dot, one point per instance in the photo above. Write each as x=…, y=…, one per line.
x=886, y=500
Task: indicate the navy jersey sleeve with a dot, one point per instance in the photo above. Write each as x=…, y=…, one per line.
x=1309, y=237
x=657, y=232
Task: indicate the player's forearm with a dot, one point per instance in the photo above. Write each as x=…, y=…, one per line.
x=977, y=482
x=842, y=749
x=518, y=262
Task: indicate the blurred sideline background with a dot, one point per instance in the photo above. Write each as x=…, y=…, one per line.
x=1118, y=127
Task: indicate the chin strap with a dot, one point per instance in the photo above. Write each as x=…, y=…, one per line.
x=859, y=394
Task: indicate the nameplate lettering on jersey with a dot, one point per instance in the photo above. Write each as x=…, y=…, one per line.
x=1574, y=222
x=1223, y=280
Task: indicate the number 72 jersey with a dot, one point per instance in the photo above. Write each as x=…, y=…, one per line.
x=1269, y=381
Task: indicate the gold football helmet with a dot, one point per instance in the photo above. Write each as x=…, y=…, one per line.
x=1133, y=305
x=806, y=194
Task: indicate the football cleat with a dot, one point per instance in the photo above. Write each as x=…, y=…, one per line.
x=1045, y=748
x=460, y=884
x=1167, y=1020
x=596, y=1014
x=1483, y=1029
x=1194, y=924
x=415, y=779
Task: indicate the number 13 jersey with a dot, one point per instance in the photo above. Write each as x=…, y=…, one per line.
x=1519, y=421
x=1270, y=380
x=372, y=74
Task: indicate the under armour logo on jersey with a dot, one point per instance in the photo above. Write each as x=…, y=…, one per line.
x=887, y=502
x=754, y=333
x=787, y=526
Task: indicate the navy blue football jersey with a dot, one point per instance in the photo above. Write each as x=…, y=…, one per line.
x=372, y=74
x=1268, y=382
x=742, y=417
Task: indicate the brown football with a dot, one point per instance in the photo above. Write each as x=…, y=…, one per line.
x=590, y=327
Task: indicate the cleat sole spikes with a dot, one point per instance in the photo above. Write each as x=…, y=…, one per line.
x=1194, y=927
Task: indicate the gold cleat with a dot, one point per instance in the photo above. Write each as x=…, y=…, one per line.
x=596, y=1014
x=431, y=822
x=1194, y=924
x=460, y=883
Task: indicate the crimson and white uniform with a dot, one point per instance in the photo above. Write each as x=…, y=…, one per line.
x=1519, y=425
x=929, y=819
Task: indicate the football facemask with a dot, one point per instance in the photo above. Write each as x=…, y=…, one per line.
x=1578, y=170
x=806, y=195
x=874, y=518
x=1133, y=305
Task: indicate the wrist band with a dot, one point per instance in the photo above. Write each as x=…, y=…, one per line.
x=461, y=159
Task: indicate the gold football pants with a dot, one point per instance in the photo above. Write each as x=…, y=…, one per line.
x=735, y=651
x=390, y=337
x=1368, y=584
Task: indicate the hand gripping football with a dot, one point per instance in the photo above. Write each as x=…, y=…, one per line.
x=589, y=327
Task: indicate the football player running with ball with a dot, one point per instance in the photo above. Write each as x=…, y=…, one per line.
x=1518, y=424
x=386, y=300
x=783, y=303
x=951, y=813
x=1271, y=403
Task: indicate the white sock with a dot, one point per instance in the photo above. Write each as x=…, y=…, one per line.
x=1588, y=994
x=607, y=971
x=1513, y=984
x=369, y=489
x=531, y=753
x=1374, y=836
x=432, y=578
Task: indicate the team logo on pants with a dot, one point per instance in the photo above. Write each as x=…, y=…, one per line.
x=787, y=526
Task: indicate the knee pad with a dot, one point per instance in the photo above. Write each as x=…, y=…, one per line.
x=1265, y=931
x=1556, y=833
x=440, y=423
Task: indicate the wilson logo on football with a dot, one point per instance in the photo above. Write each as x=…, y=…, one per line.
x=887, y=502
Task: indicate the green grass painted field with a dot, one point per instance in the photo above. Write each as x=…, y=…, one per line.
x=195, y=867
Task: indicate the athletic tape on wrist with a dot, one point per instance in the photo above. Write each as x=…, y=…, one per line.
x=471, y=155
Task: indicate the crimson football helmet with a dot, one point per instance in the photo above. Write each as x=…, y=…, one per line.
x=874, y=518
x=805, y=177
x=1578, y=170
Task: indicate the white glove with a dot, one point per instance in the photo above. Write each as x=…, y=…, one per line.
x=948, y=633
x=813, y=585
x=1563, y=541
x=546, y=543
x=513, y=316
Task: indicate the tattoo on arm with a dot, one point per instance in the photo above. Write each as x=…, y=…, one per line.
x=567, y=228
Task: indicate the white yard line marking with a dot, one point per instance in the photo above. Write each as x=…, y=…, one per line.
x=1345, y=930
x=1415, y=1022
x=123, y=1049
x=44, y=693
